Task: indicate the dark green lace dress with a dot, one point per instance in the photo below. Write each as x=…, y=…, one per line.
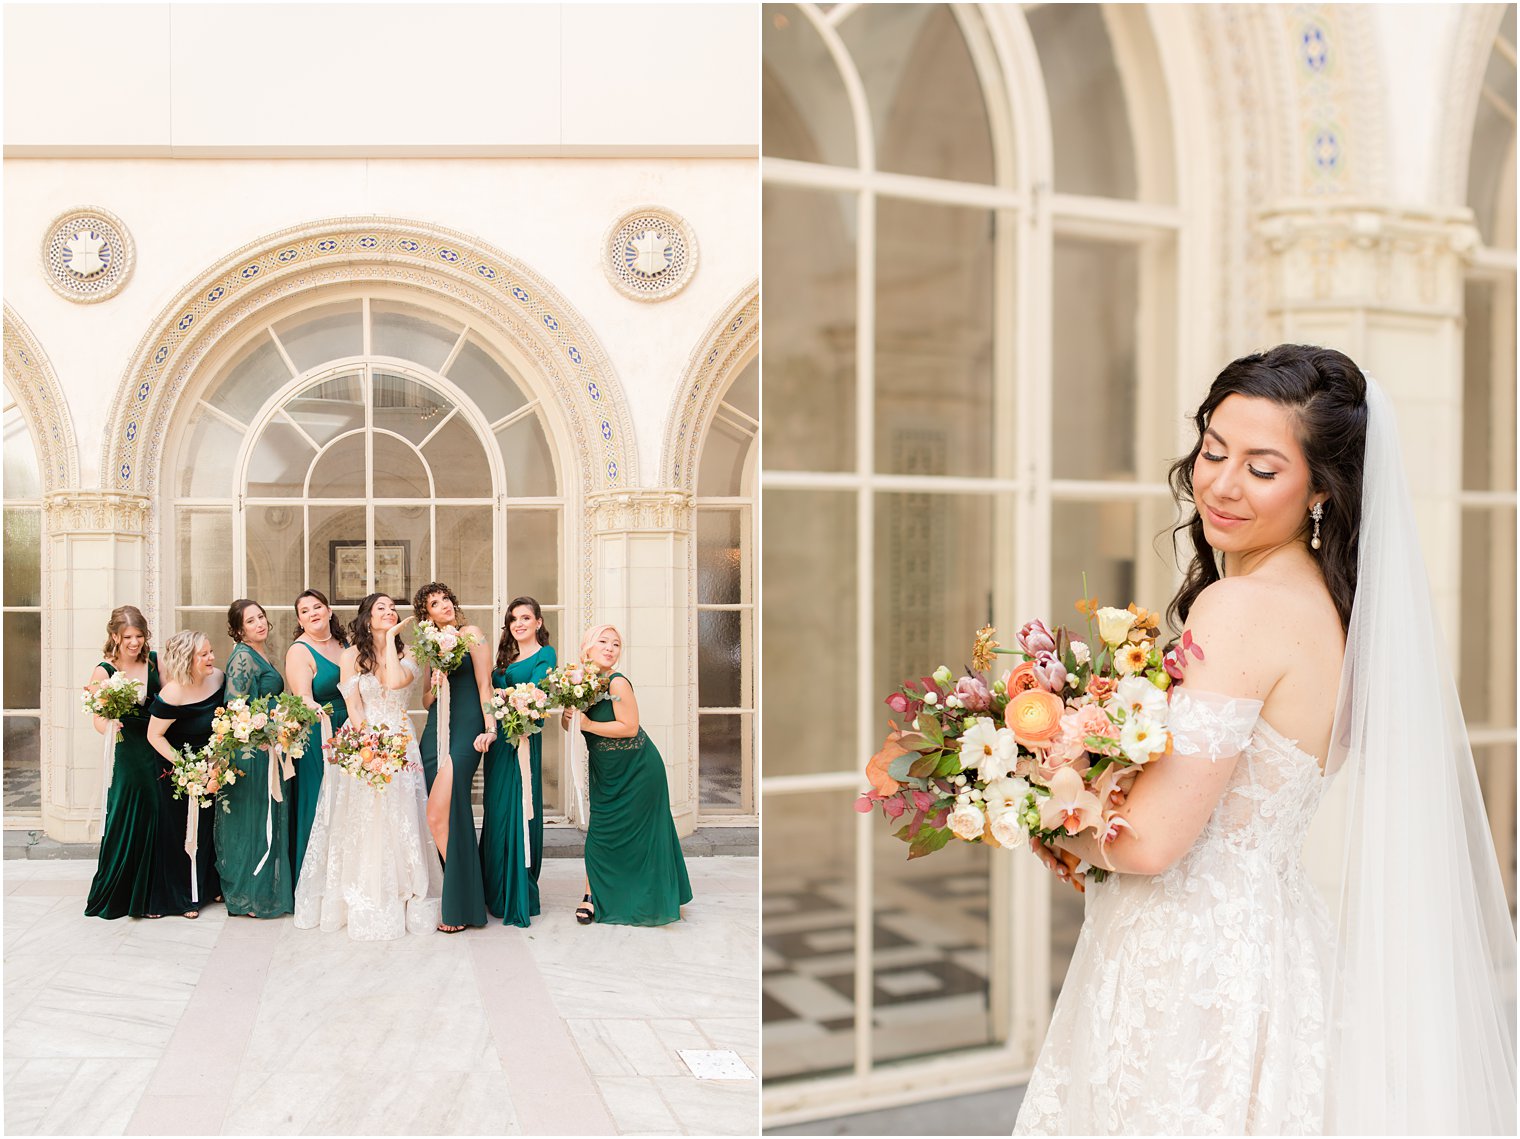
x=191, y=728
x=248, y=823
x=464, y=891
x=511, y=880
x=309, y=768
x=633, y=854
x=124, y=876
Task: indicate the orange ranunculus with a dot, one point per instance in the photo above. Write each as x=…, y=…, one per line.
x=876, y=769
x=1035, y=717
x=1022, y=679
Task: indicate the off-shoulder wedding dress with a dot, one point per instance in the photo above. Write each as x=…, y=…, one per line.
x=371, y=863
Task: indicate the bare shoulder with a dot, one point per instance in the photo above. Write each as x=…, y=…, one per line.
x=295, y=656
x=1237, y=622
x=620, y=685
x=172, y=692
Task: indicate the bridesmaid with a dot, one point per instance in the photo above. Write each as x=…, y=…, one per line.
x=312, y=673
x=635, y=874
x=523, y=656
x=450, y=814
x=181, y=716
x=124, y=876
x=253, y=831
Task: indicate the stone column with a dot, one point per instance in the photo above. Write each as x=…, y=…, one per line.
x=96, y=554
x=643, y=549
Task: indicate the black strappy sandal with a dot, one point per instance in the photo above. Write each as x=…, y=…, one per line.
x=585, y=913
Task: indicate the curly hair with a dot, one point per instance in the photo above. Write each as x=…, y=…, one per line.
x=426, y=593
x=506, y=648
x=363, y=635
x=235, y=613
x=334, y=626
x=179, y=654
x=122, y=618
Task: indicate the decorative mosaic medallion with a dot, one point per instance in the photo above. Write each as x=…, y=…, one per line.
x=87, y=255
x=650, y=253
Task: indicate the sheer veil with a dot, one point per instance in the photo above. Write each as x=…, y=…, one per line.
x=1423, y=989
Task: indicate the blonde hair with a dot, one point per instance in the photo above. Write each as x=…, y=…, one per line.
x=593, y=633
x=179, y=653
x=124, y=617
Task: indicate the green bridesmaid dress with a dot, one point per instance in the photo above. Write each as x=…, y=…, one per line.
x=633, y=854
x=123, y=885
x=309, y=768
x=190, y=727
x=248, y=823
x=464, y=891
x=511, y=879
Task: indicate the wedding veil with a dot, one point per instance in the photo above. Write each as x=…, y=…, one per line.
x=1423, y=989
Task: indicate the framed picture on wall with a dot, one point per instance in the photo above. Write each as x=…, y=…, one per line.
x=346, y=570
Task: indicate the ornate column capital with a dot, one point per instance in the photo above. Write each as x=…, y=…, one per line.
x=97, y=511
x=652, y=508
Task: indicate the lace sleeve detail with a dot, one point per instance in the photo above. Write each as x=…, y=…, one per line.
x=411, y=667
x=1209, y=724
x=349, y=687
x=242, y=675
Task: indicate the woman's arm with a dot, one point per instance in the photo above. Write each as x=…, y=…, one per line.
x=300, y=672
x=544, y=665
x=625, y=708
x=242, y=676
x=158, y=727
x=480, y=661
x=348, y=685
x=102, y=725
x=390, y=671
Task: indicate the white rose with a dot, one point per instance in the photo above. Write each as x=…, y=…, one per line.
x=1114, y=624
x=967, y=821
x=1006, y=829
x=1003, y=795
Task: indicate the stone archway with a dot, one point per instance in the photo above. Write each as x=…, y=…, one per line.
x=728, y=342
x=30, y=378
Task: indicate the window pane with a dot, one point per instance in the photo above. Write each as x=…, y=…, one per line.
x=744, y=393
x=719, y=556
x=339, y=473
x=23, y=765
x=256, y=373
x=554, y=758
x=22, y=478
x=410, y=409
x=321, y=334
x=719, y=658
x=533, y=555
x=466, y=552
x=1491, y=162
x=806, y=113
x=1101, y=540
x=1488, y=338
x=23, y=662
x=809, y=343
x=329, y=409
x=1486, y=661
x=1096, y=310
x=23, y=555
x=337, y=556
x=808, y=933
x=1089, y=114
x=399, y=471
x=935, y=410
x=720, y=763
x=400, y=331
x=527, y=458
x=204, y=553
x=924, y=93
x=458, y=462
x=1496, y=775
x=809, y=628
x=403, y=551
x=486, y=382
x=280, y=461
x=725, y=452
x=275, y=550
x=209, y=458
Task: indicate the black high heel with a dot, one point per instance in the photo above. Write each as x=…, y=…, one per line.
x=585, y=913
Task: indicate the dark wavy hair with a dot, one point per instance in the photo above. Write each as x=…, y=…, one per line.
x=235, y=613
x=334, y=626
x=506, y=648
x=122, y=618
x=363, y=636
x=1327, y=395
x=420, y=601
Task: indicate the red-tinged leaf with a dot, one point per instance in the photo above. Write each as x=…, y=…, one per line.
x=1197, y=651
x=928, y=842
x=865, y=804
x=916, y=824
x=939, y=818
x=902, y=833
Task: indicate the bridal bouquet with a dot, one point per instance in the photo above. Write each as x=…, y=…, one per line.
x=198, y=774
x=374, y=755
x=441, y=647
x=114, y=697
x=576, y=685
x=520, y=710
x=1051, y=747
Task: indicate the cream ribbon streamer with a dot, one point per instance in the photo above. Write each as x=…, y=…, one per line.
x=107, y=767
x=526, y=771
x=276, y=753
x=578, y=769
x=192, y=844
x=445, y=760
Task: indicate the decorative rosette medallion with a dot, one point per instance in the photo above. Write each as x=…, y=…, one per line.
x=650, y=254
x=87, y=255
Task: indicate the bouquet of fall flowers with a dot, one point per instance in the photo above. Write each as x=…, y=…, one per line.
x=1051, y=747
x=576, y=684
x=199, y=773
x=441, y=647
x=519, y=711
x=114, y=697
x=373, y=754
x=289, y=718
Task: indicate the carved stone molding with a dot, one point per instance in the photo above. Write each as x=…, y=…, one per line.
x=30, y=379
x=97, y=511
x=728, y=342
x=1466, y=64
x=649, y=253
x=640, y=510
x=87, y=255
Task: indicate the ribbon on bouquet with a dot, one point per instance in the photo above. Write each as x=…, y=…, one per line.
x=276, y=753
x=578, y=769
x=526, y=771
x=107, y=766
x=445, y=760
x=193, y=844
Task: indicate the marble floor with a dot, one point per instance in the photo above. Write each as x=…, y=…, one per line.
x=239, y=1027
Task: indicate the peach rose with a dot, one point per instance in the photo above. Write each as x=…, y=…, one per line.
x=1022, y=679
x=1035, y=717
x=1101, y=687
x=876, y=769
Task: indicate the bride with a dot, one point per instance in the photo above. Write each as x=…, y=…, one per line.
x=1210, y=991
x=371, y=862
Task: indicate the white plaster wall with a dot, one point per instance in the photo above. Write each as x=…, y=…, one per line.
x=553, y=214
x=478, y=78
x=1414, y=45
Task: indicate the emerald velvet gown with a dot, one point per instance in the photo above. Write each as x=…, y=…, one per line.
x=633, y=855
x=191, y=727
x=248, y=823
x=464, y=891
x=124, y=876
x=511, y=881
x=309, y=768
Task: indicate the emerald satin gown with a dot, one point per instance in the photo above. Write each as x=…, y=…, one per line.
x=309, y=768
x=247, y=822
x=633, y=855
x=511, y=881
x=464, y=891
x=124, y=876
x=191, y=727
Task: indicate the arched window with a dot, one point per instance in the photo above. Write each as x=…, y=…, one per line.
x=368, y=443
x=970, y=236
x=21, y=621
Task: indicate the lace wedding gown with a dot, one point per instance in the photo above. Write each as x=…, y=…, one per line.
x=1195, y=999
x=371, y=862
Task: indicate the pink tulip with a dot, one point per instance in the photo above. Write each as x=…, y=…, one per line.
x=1049, y=671
x=1035, y=638
x=974, y=694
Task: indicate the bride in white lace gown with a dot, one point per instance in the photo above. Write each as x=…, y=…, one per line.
x=1210, y=992
x=371, y=863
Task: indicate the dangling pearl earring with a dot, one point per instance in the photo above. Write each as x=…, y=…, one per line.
x=1317, y=512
